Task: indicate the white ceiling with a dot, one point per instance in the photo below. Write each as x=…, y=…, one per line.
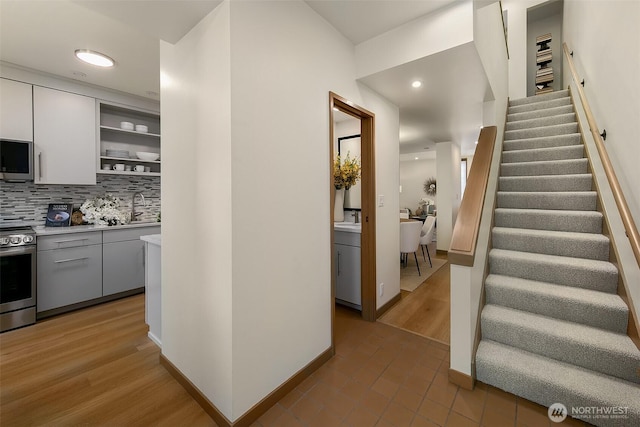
x=43, y=34
x=360, y=20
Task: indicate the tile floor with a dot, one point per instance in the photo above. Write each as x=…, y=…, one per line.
x=384, y=376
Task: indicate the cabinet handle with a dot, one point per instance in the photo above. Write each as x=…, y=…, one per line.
x=40, y=165
x=71, y=259
x=70, y=240
x=338, y=263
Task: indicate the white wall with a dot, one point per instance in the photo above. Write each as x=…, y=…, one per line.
x=517, y=39
x=605, y=39
x=466, y=282
x=601, y=35
x=196, y=215
x=448, y=196
x=435, y=32
x=413, y=174
x=254, y=304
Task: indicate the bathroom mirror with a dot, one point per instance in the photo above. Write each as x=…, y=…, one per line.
x=347, y=140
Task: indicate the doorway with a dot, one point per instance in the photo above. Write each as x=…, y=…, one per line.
x=368, y=207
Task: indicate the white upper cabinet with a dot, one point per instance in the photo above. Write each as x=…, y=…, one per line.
x=16, y=110
x=64, y=136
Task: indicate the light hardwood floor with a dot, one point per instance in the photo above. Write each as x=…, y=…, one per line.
x=91, y=367
x=425, y=311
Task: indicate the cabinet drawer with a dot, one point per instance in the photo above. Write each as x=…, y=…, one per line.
x=346, y=238
x=122, y=235
x=70, y=240
x=69, y=276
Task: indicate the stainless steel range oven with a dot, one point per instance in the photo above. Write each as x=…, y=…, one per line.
x=17, y=277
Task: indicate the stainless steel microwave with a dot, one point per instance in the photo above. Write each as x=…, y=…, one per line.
x=16, y=160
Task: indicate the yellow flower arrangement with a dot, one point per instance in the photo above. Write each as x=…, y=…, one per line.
x=346, y=173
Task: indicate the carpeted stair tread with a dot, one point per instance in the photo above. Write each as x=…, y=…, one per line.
x=569, y=271
x=542, y=121
x=547, y=381
x=560, y=200
x=561, y=243
x=562, y=129
x=540, y=113
x=539, y=98
x=546, y=183
x=591, y=348
x=572, y=152
x=539, y=105
x=566, y=140
x=545, y=167
x=598, y=309
x=547, y=219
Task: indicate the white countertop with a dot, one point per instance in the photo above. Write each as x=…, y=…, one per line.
x=41, y=230
x=154, y=239
x=349, y=227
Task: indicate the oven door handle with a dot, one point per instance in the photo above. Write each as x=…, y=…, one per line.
x=17, y=250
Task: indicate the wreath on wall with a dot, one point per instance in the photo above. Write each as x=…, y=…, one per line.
x=430, y=186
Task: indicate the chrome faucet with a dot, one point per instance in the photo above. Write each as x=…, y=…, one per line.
x=356, y=217
x=134, y=214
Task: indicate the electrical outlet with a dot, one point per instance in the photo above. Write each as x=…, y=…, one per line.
x=380, y=200
x=381, y=289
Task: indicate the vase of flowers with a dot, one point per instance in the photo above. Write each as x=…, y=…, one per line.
x=345, y=174
x=103, y=210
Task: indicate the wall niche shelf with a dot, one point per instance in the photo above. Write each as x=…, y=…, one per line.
x=112, y=137
x=544, y=74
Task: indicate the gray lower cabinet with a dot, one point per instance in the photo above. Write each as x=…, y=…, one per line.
x=69, y=269
x=123, y=259
x=348, y=282
x=79, y=267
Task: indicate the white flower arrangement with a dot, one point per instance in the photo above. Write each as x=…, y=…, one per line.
x=103, y=211
x=426, y=201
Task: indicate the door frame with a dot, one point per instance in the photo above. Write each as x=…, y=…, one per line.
x=368, y=209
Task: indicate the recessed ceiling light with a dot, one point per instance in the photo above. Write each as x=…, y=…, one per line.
x=416, y=84
x=94, y=58
x=476, y=142
x=416, y=158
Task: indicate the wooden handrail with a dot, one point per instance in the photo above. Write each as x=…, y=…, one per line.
x=627, y=220
x=465, y=232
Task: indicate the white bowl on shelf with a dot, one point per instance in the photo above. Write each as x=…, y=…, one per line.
x=145, y=155
x=126, y=125
x=142, y=128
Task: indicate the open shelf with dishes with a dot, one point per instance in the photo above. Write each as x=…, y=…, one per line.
x=120, y=144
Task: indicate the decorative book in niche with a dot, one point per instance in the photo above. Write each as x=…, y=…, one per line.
x=544, y=56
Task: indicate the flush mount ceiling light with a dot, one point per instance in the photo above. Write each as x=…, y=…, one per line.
x=416, y=84
x=94, y=58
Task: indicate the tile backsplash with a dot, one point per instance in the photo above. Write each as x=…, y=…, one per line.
x=28, y=202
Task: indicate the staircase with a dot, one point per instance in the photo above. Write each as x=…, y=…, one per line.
x=553, y=327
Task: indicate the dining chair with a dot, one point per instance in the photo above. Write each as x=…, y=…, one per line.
x=410, y=240
x=426, y=235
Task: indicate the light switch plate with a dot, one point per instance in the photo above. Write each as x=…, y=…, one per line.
x=380, y=200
